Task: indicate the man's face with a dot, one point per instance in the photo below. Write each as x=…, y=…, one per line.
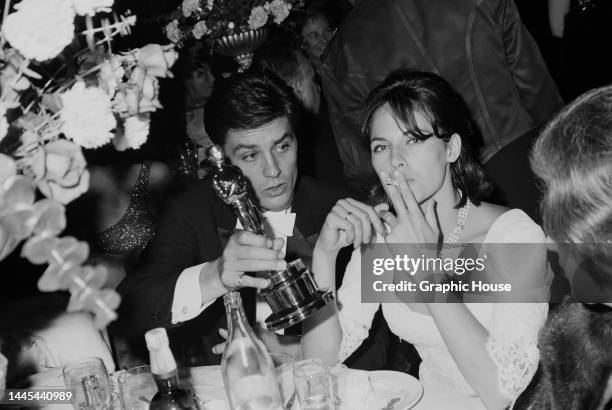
x=200, y=83
x=268, y=158
x=316, y=33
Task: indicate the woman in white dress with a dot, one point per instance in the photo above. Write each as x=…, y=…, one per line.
x=416, y=127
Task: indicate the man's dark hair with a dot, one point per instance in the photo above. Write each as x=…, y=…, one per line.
x=246, y=101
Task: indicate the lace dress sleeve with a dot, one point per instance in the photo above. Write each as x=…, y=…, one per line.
x=513, y=344
x=514, y=327
x=354, y=316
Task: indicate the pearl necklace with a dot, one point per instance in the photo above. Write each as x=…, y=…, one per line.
x=462, y=217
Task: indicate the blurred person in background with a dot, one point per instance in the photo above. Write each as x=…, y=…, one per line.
x=318, y=155
x=573, y=159
x=582, y=28
x=316, y=31
x=38, y=337
x=198, y=82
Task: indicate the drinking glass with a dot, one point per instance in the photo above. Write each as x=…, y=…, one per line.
x=283, y=366
x=137, y=388
x=88, y=379
x=3, y=366
x=313, y=384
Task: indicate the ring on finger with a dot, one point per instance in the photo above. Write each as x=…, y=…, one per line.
x=239, y=281
x=348, y=215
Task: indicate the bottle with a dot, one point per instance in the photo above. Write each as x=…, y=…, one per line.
x=248, y=372
x=94, y=396
x=169, y=394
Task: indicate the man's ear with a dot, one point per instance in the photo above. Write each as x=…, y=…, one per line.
x=453, y=148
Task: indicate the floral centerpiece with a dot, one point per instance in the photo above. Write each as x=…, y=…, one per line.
x=95, y=97
x=233, y=27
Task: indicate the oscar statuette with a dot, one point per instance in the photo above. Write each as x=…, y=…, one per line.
x=293, y=294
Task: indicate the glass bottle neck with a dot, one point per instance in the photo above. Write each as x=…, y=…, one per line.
x=236, y=318
x=167, y=382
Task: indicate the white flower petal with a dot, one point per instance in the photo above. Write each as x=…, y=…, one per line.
x=87, y=117
x=40, y=29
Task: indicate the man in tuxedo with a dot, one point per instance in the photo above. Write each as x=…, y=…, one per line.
x=199, y=252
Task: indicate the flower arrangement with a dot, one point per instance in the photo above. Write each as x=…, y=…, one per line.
x=46, y=120
x=214, y=19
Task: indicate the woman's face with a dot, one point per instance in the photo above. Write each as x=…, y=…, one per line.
x=424, y=164
x=316, y=33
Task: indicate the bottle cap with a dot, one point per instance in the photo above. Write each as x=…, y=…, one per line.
x=156, y=338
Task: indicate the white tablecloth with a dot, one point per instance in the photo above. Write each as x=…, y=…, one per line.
x=434, y=397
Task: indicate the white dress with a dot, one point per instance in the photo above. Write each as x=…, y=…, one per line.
x=513, y=327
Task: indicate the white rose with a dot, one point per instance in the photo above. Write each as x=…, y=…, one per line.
x=200, y=29
x=189, y=7
x=110, y=74
x=8, y=169
x=173, y=32
x=86, y=115
x=136, y=131
x=91, y=7
x=60, y=170
x=279, y=9
x=209, y=4
x=156, y=59
x=258, y=18
x=40, y=29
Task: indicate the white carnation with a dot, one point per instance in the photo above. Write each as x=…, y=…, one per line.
x=200, y=29
x=279, y=9
x=173, y=32
x=136, y=131
x=40, y=29
x=258, y=18
x=91, y=7
x=190, y=6
x=86, y=116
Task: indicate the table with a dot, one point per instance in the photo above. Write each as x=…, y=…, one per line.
x=435, y=397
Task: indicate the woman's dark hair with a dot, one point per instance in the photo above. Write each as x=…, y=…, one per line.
x=406, y=92
x=246, y=101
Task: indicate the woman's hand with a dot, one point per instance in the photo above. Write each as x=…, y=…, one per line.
x=349, y=222
x=410, y=224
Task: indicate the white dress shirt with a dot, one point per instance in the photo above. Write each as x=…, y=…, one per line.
x=187, y=302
